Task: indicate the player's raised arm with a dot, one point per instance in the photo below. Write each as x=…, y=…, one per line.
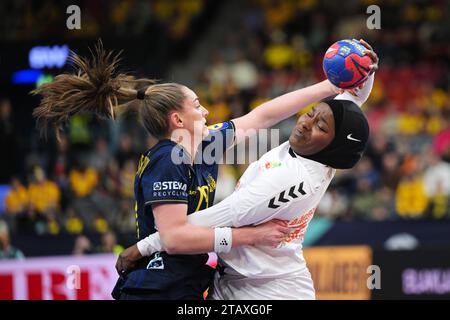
x=282, y=107
x=273, y=111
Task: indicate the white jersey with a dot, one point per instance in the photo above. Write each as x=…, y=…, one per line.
x=280, y=185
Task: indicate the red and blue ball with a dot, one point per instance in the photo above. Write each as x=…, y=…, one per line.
x=346, y=65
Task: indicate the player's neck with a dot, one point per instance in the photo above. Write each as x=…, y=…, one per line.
x=190, y=147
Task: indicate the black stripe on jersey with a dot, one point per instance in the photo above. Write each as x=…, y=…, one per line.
x=294, y=192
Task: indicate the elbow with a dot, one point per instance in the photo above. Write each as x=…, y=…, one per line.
x=268, y=120
x=170, y=243
x=171, y=249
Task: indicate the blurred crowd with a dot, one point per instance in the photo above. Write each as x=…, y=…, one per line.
x=405, y=173
x=31, y=20
x=85, y=183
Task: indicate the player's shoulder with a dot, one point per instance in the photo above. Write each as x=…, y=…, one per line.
x=282, y=172
x=165, y=156
x=282, y=157
x=167, y=150
x=296, y=168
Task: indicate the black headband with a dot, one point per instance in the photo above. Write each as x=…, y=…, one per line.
x=141, y=93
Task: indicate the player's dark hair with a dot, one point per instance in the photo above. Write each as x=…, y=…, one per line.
x=97, y=88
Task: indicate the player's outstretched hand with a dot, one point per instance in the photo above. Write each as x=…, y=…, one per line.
x=127, y=260
x=374, y=66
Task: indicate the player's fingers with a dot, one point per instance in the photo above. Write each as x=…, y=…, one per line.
x=280, y=222
x=119, y=266
x=276, y=244
x=352, y=92
x=276, y=241
x=365, y=44
x=283, y=229
x=372, y=55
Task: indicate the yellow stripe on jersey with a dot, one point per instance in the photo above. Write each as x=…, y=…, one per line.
x=143, y=163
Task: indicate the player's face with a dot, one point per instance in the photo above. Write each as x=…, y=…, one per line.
x=194, y=115
x=314, y=130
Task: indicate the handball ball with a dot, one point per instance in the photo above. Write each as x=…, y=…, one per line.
x=346, y=65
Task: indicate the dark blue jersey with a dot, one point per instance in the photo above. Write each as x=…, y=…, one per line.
x=166, y=175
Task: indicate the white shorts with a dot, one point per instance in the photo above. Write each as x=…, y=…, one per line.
x=232, y=287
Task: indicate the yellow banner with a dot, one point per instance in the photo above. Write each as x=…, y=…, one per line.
x=340, y=272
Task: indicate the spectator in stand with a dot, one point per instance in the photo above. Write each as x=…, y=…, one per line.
x=83, y=179
x=218, y=71
x=7, y=251
x=8, y=142
x=53, y=224
x=73, y=223
x=61, y=164
x=127, y=175
x=99, y=158
x=124, y=220
x=243, y=72
x=111, y=179
x=437, y=186
x=410, y=197
x=125, y=151
x=100, y=224
x=390, y=170
x=441, y=143
x=82, y=246
x=278, y=54
x=44, y=194
x=17, y=200
x=109, y=244
x=333, y=205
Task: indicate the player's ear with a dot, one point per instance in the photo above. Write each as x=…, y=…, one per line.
x=176, y=120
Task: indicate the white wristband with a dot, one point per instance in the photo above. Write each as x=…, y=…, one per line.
x=223, y=238
x=149, y=245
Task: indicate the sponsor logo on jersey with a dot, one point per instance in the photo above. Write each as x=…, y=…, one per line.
x=218, y=126
x=298, y=226
x=272, y=164
x=169, y=185
x=156, y=263
x=169, y=189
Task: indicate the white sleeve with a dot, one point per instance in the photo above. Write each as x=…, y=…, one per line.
x=249, y=205
x=246, y=206
x=361, y=94
x=150, y=245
